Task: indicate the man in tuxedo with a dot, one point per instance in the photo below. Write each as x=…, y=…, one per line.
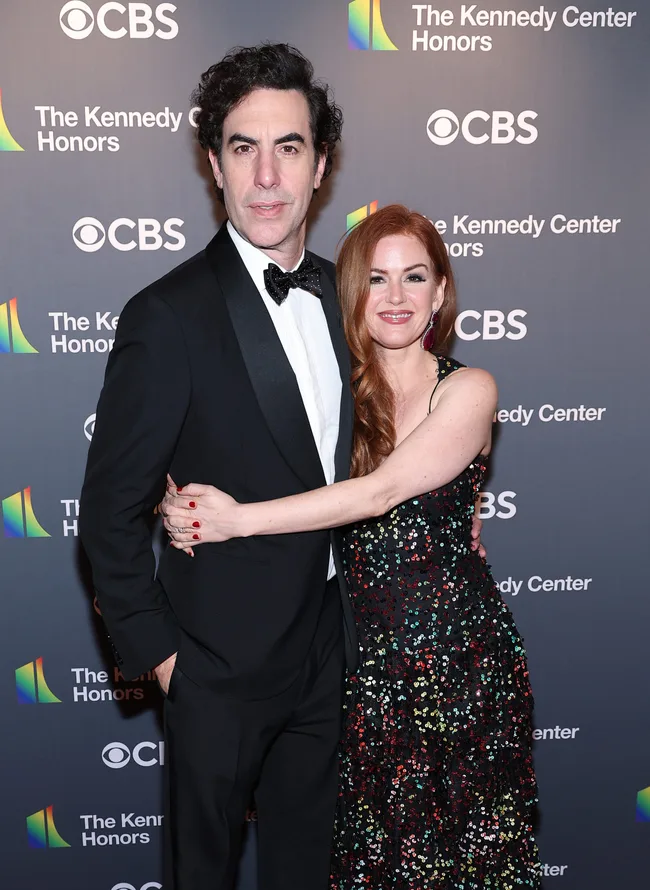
x=233, y=370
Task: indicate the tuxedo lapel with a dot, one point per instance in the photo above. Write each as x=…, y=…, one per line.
x=346, y=417
x=269, y=370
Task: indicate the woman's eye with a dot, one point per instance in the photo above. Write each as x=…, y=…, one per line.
x=415, y=277
x=376, y=279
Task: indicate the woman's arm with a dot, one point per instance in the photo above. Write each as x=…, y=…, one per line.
x=441, y=447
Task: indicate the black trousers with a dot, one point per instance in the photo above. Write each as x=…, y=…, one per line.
x=220, y=752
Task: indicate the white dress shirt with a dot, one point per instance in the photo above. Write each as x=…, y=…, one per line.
x=302, y=329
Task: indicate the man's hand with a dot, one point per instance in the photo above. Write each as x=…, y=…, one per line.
x=164, y=672
x=477, y=525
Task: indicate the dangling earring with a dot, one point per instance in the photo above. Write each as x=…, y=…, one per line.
x=428, y=338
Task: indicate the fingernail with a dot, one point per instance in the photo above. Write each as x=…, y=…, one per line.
x=196, y=525
x=196, y=537
x=179, y=488
x=192, y=504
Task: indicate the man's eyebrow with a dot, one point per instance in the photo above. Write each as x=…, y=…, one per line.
x=248, y=140
x=290, y=137
x=239, y=137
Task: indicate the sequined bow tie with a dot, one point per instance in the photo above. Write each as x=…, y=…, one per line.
x=279, y=283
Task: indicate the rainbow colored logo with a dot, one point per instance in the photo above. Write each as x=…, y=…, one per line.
x=354, y=218
x=18, y=517
x=41, y=831
x=643, y=805
x=31, y=685
x=12, y=338
x=365, y=27
x=7, y=141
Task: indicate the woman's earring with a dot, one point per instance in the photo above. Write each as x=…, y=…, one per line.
x=428, y=338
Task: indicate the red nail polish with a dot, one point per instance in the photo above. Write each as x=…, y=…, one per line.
x=196, y=525
x=192, y=504
x=179, y=488
x=196, y=537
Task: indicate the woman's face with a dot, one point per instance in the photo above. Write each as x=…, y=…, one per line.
x=403, y=292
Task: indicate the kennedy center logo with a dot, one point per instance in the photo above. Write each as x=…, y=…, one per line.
x=7, y=141
x=12, y=338
x=41, y=831
x=357, y=216
x=365, y=27
x=31, y=686
x=643, y=805
x=18, y=517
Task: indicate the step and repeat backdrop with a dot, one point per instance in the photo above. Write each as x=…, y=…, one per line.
x=522, y=130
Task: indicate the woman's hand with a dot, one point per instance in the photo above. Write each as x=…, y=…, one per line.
x=477, y=527
x=196, y=514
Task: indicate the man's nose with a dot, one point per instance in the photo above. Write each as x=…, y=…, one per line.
x=267, y=174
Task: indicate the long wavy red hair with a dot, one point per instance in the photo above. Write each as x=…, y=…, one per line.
x=374, y=403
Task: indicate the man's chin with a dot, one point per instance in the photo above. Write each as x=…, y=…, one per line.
x=267, y=234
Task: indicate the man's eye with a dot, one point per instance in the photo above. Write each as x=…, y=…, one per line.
x=289, y=149
x=242, y=149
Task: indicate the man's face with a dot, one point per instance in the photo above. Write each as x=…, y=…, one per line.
x=268, y=171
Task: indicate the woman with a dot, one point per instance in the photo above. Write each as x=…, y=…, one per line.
x=437, y=788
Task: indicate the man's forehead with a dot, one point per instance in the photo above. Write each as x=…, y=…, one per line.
x=272, y=110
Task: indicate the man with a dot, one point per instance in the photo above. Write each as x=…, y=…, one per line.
x=211, y=380
x=231, y=372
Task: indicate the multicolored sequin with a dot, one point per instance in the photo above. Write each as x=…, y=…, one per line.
x=437, y=789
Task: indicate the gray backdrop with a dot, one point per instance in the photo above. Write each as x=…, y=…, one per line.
x=542, y=126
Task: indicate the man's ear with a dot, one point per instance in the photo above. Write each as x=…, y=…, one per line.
x=216, y=168
x=320, y=169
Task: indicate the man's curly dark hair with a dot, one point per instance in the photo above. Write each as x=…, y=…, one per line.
x=274, y=66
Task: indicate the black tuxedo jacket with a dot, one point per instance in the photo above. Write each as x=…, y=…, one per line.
x=198, y=384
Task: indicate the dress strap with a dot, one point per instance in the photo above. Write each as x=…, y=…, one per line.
x=446, y=367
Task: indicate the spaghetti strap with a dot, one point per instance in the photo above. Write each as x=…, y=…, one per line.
x=435, y=387
x=446, y=366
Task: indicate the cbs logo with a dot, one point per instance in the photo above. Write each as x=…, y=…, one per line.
x=151, y=885
x=145, y=234
x=89, y=427
x=117, y=755
x=477, y=127
x=492, y=324
x=77, y=20
x=499, y=505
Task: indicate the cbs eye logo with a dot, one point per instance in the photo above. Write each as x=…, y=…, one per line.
x=90, y=235
x=77, y=20
x=89, y=427
x=478, y=127
x=151, y=885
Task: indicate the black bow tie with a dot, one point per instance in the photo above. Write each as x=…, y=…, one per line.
x=279, y=283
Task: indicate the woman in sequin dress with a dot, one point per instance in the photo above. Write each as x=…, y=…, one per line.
x=437, y=789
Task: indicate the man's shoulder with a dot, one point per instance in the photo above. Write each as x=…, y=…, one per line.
x=181, y=282
x=179, y=289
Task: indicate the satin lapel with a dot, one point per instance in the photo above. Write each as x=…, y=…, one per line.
x=270, y=372
x=346, y=415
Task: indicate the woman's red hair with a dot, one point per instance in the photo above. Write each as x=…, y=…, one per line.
x=374, y=404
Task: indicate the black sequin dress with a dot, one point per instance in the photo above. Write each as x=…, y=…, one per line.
x=437, y=789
